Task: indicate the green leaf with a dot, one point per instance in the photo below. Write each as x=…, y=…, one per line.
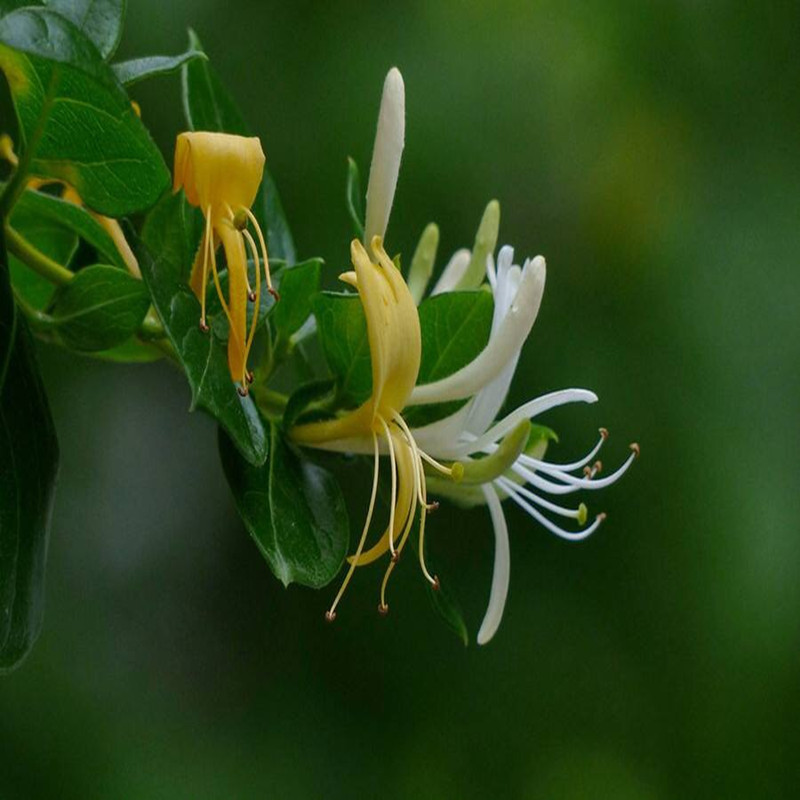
x=8, y=312
x=76, y=121
x=455, y=329
x=100, y=20
x=343, y=336
x=69, y=217
x=293, y=509
x=355, y=205
x=50, y=238
x=138, y=69
x=28, y=467
x=298, y=285
x=313, y=399
x=169, y=241
x=445, y=603
x=100, y=308
x=209, y=107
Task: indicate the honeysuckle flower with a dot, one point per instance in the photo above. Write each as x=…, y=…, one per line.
x=394, y=337
x=377, y=426
x=496, y=460
x=220, y=174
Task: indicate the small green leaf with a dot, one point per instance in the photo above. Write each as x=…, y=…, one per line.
x=293, y=509
x=455, y=329
x=70, y=217
x=28, y=467
x=100, y=20
x=50, y=238
x=169, y=241
x=312, y=399
x=100, y=308
x=298, y=285
x=209, y=107
x=139, y=69
x=446, y=605
x=343, y=336
x=355, y=205
x=75, y=117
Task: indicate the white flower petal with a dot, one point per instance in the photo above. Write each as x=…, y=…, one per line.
x=453, y=272
x=502, y=568
x=503, y=346
x=386, y=156
x=442, y=439
x=528, y=411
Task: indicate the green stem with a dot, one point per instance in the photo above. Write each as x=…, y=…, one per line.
x=38, y=320
x=50, y=270
x=270, y=402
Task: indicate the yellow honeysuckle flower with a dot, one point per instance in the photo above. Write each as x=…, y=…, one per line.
x=220, y=174
x=395, y=345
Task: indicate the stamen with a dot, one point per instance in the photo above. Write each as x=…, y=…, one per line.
x=207, y=244
x=577, y=513
x=330, y=615
x=434, y=582
x=571, y=480
x=256, y=295
x=393, y=460
x=264, y=255
x=572, y=536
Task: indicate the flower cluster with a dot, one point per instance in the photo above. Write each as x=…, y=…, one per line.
x=469, y=457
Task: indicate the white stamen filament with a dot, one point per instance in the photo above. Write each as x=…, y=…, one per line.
x=571, y=536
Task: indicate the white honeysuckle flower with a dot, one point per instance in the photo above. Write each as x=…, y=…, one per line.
x=386, y=156
x=495, y=458
x=509, y=332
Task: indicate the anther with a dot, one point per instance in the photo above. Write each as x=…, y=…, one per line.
x=635, y=449
x=251, y=296
x=432, y=506
x=598, y=466
x=249, y=376
x=204, y=326
x=604, y=433
x=395, y=556
x=240, y=220
x=243, y=391
x=274, y=293
x=330, y=616
x=587, y=471
x=601, y=517
x=436, y=585
x=383, y=609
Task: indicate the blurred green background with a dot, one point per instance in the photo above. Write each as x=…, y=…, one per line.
x=650, y=152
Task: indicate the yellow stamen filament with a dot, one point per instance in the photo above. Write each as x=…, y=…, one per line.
x=330, y=615
x=263, y=244
x=257, y=302
x=431, y=579
x=393, y=461
x=207, y=246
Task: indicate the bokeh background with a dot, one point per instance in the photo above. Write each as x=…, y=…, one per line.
x=650, y=151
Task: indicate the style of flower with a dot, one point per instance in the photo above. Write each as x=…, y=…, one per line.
x=220, y=174
x=498, y=461
x=394, y=337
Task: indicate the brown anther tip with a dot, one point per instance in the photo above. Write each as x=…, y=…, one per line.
x=436, y=585
x=636, y=449
x=242, y=390
x=587, y=471
x=249, y=376
x=604, y=433
x=204, y=326
x=601, y=517
x=274, y=293
x=330, y=616
x=395, y=556
x=383, y=609
x=251, y=296
x=433, y=506
x=598, y=466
